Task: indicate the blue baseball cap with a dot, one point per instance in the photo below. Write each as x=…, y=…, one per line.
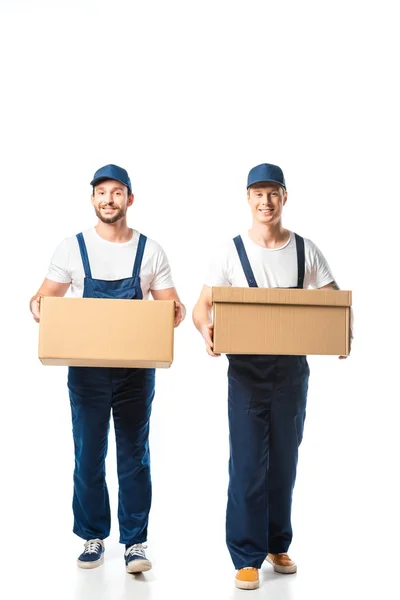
x=112, y=172
x=265, y=173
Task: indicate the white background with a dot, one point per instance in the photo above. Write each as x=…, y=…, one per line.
x=188, y=96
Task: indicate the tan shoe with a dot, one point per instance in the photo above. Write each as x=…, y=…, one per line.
x=282, y=563
x=247, y=578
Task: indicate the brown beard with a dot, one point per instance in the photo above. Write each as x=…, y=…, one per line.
x=118, y=215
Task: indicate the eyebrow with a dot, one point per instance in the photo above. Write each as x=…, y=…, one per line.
x=118, y=187
x=272, y=187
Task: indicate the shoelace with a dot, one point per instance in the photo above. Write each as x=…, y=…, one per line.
x=92, y=547
x=137, y=549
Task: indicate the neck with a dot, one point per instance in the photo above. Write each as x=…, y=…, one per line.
x=114, y=232
x=269, y=236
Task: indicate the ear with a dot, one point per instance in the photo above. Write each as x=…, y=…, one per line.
x=92, y=199
x=285, y=198
x=131, y=199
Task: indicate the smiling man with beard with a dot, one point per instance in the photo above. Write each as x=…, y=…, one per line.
x=111, y=260
x=267, y=395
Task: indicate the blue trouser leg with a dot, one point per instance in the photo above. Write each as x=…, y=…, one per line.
x=266, y=403
x=286, y=432
x=90, y=397
x=246, y=516
x=133, y=392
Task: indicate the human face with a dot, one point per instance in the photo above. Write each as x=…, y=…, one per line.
x=111, y=200
x=266, y=201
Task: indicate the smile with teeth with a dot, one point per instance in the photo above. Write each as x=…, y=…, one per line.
x=266, y=211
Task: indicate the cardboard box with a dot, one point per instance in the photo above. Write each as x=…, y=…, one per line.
x=93, y=332
x=281, y=321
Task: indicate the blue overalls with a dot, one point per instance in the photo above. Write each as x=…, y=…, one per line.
x=94, y=392
x=266, y=406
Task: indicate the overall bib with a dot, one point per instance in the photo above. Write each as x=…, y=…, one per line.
x=94, y=392
x=266, y=407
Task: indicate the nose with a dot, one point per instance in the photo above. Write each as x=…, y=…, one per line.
x=107, y=198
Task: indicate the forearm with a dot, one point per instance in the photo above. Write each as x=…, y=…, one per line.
x=202, y=315
x=202, y=318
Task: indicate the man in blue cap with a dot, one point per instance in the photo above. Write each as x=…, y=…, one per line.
x=111, y=260
x=267, y=394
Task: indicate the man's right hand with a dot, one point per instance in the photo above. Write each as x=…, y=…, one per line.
x=35, y=309
x=207, y=333
x=202, y=317
x=48, y=288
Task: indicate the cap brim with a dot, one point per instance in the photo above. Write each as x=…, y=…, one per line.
x=267, y=181
x=100, y=179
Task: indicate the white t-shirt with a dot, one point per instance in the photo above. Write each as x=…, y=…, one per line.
x=272, y=267
x=110, y=261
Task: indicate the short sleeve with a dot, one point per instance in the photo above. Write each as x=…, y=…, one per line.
x=162, y=279
x=321, y=273
x=58, y=269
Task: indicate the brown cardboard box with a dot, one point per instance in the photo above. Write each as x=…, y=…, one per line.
x=281, y=321
x=93, y=332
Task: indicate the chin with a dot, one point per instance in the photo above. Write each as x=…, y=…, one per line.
x=111, y=220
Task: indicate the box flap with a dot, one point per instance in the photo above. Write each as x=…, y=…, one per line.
x=282, y=296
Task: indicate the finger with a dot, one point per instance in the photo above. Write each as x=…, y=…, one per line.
x=211, y=351
x=35, y=308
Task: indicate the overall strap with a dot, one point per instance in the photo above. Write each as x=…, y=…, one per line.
x=139, y=255
x=301, y=260
x=84, y=255
x=251, y=280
